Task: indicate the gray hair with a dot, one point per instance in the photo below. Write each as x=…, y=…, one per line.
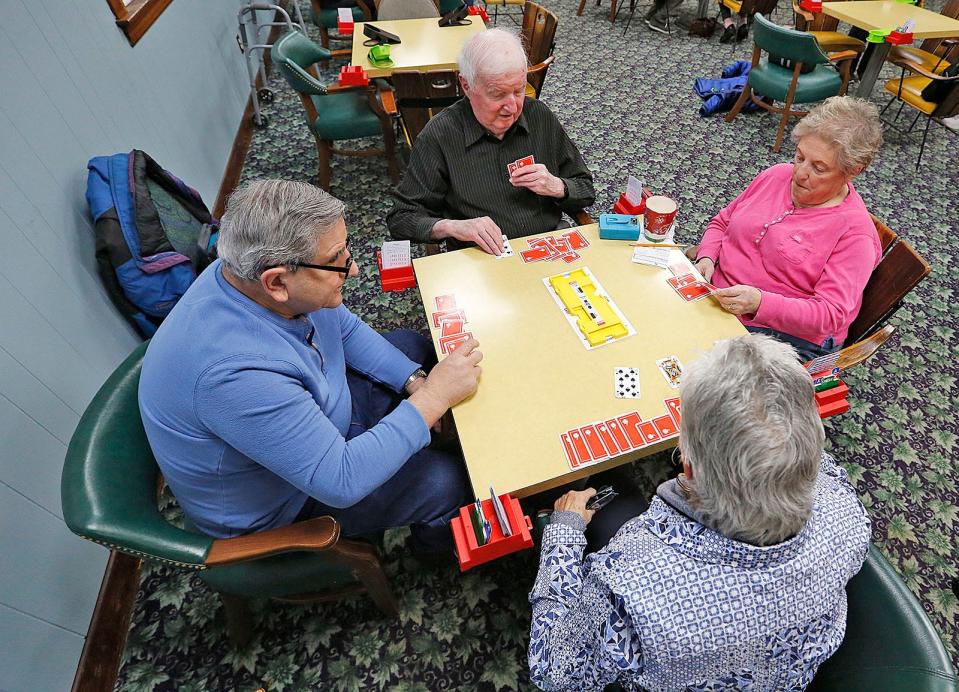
x=850, y=125
x=274, y=222
x=491, y=54
x=752, y=434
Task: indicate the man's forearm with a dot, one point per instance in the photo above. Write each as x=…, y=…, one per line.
x=580, y=192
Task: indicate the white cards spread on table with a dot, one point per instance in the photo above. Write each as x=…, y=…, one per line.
x=395, y=253
x=653, y=256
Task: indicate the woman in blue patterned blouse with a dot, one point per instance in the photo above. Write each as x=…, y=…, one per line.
x=735, y=575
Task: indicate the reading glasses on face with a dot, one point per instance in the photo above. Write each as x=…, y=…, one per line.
x=345, y=269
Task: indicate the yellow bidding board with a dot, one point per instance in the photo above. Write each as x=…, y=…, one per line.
x=548, y=408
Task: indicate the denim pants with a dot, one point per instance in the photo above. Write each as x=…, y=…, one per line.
x=425, y=493
x=806, y=350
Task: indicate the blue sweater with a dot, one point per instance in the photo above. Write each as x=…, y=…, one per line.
x=246, y=418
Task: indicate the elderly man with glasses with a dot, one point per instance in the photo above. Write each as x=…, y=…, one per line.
x=266, y=401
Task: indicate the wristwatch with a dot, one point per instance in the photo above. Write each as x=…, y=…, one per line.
x=417, y=374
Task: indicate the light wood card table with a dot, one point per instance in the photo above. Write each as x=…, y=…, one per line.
x=888, y=14
x=538, y=379
x=425, y=45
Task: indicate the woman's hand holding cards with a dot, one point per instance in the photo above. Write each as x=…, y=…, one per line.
x=739, y=299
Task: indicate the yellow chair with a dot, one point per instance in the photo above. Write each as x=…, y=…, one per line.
x=539, y=30
x=823, y=27
x=505, y=4
x=909, y=92
x=933, y=54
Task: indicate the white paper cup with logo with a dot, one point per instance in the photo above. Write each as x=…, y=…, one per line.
x=658, y=218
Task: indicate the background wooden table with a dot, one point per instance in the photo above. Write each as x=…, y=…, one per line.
x=424, y=44
x=538, y=379
x=888, y=14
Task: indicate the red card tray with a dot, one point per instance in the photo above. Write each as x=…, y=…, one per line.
x=395, y=279
x=471, y=554
x=898, y=39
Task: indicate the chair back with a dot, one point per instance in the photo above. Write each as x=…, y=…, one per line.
x=890, y=645
x=539, y=30
x=820, y=20
x=108, y=488
x=406, y=9
x=949, y=105
x=294, y=55
x=778, y=41
x=421, y=95
x=900, y=270
x=935, y=45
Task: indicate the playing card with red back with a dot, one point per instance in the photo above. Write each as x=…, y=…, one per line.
x=629, y=424
x=441, y=315
x=579, y=447
x=693, y=292
x=649, y=432
x=595, y=445
x=569, y=257
x=607, y=438
x=617, y=432
x=536, y=254
x=446, y=302
x=525, y=161
x=448, y=344
x=577, y=240
x=665, y=426
x=450, y=326
x=675, y=410
x=570, y=453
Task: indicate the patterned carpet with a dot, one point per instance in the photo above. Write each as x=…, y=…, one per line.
x=628, y=102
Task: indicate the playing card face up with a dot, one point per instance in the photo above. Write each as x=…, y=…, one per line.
x=626, y=383
x=507, y=249
x=672, y=370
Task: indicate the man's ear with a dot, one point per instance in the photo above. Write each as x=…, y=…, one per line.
x=274, y=283
x=465, y=85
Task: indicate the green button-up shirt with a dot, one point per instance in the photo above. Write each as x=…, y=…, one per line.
x=458, y=170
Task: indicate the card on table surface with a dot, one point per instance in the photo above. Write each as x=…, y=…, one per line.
x=594, y=443
x=629, y=424
x=648, y=431
x=450, y=326
x=608, y=440
x=446, y=302
x=665, y=426
x=570, y=257
x=448, y=344
x=535, y=254
x=618, y=435
x=675, y=410
x=577, y=241
x=507, y=249
x=626, y=383
x=500, y=511
x=672, y=370
x=441, y=315
x=579, y=447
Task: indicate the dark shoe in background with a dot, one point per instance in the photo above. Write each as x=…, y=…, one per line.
x=729, y=33
x=742, y=32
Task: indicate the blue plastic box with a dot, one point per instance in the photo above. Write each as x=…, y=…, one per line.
x=618, y=227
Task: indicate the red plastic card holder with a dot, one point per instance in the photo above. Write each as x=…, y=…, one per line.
x=624, y=206
x=470, y=554
x=814, y=6
x=899, y=39
x=479, y=11
x=353, y=75
x=395, y=279
x=832, y=402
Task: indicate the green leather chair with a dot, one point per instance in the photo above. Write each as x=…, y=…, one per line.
x=334, y=112
x=324, y=15
x=890, y=645
x=109, y=493
x=813, y=76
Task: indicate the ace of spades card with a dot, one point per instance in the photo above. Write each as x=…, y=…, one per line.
x=626, y=383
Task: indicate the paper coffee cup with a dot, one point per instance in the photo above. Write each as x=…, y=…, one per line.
x=658, y=218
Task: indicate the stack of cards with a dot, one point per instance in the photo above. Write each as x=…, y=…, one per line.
x=519, y=163
x=550, y=248
x=690, y=287
x=451, y=321
x=603, y=440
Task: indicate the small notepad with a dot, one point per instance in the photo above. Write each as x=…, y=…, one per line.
x=395, y=253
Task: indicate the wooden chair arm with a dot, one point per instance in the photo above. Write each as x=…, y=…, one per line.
x=582, y=217
x=539, y=67
x=388, y=99
x=317, y=534
x=918, y=69
x=808, y=16
x=842, y=55
x=341, y=53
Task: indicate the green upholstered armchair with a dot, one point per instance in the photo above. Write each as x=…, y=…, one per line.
x=324, y=14
x=109, y=494
x=334, y=112
x=890, y=645
x=797, y=83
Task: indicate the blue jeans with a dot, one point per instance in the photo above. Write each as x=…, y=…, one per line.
x=807, y=350
x=425, y=493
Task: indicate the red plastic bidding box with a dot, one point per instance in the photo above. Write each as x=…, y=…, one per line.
x=397, y=278
x=477, y=10
x=811, y=5
x=471, y=554
x=898, y=39
x=832, y=402
x=353, y=75
x=624, y=206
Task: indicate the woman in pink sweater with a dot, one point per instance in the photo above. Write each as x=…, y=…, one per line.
x=792, y=254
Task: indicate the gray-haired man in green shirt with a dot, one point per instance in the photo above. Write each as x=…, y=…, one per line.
x=458, y=186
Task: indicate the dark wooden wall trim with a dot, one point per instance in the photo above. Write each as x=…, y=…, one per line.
x=107, y=636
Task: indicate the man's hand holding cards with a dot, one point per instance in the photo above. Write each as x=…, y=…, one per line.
x=535, y=177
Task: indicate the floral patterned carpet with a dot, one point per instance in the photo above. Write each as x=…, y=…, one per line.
x=628, y=103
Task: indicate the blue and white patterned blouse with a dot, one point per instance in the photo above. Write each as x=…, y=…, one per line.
x=671, y=604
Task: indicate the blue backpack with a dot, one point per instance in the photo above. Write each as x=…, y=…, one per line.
x=154, y=235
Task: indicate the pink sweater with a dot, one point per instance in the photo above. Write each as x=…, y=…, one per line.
x=811, y=265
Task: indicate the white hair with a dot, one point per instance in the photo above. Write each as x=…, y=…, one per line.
x=274, y=223
x=491, y=54
x=753, y=437
x=850, y=125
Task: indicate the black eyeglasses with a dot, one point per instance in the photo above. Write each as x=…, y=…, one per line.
x=345, y=269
